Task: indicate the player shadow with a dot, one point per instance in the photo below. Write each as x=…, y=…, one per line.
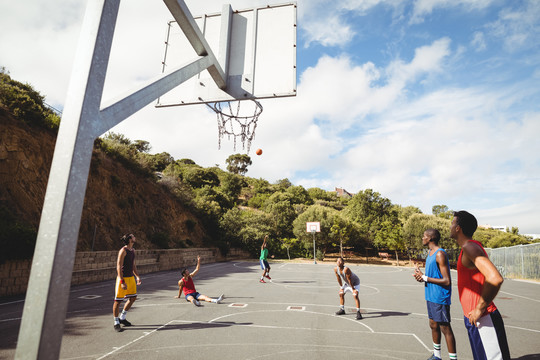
x=528, y=357
x=384, y=314
x=201, y=325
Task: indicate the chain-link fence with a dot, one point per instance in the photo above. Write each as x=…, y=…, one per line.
x=521, y=261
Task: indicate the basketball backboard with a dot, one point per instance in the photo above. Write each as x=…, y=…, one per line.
x=261, y=62
x=313, y=227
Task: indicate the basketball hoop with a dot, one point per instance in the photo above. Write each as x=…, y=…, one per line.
x=233, y=123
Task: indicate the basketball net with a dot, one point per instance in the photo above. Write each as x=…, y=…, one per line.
x=233, y=123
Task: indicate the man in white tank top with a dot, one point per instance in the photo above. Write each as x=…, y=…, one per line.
x=348, y=282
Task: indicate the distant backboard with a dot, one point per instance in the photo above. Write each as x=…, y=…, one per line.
x=312, y=227
x=261, y=61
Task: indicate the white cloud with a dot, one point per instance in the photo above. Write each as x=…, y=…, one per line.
x=519, y=28
x=423, y=8
x=479, y=42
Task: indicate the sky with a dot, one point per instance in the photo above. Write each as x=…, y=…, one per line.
x=426, y=102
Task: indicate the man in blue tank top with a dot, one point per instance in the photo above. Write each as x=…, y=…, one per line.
x=438, y=292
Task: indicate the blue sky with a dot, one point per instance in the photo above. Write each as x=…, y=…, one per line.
x=426, y=102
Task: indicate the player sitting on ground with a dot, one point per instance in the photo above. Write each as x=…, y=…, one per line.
x=186, y=284
x=348, y=281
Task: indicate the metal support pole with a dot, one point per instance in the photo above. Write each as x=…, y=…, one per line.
x=42, y=324
x=314, y=253
x=83, y=120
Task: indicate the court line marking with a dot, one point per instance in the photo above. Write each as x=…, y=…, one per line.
x=244, y=344
x=285, y=311
x=523, y=297
x=133, y=341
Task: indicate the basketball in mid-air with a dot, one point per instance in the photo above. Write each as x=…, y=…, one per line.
x=258, y=152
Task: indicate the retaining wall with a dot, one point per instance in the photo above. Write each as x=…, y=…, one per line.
x=101, y=265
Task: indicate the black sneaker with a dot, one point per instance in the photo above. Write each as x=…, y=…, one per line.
x=359, y=316
x=125, y=322
x=118, y=328
x=340, y=312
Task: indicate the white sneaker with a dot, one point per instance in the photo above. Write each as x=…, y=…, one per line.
x=220, y=298
x=196, y=302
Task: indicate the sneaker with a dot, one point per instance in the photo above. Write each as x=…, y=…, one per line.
x=118, y=328
x=268, y=277
x=433, y=357
x=196, y=302
x=262, y=280
x=340, y=312
x=125, y=322
x=220, y=298
x=359, y=316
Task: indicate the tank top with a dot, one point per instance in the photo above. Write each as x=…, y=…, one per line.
x=438, y=294
x=189, y=287
x=129, y=259
x=355, y=279
x=470, y=285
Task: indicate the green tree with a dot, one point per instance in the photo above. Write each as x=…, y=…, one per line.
x=325, y=216
x=442, y=211
x=390, y=236
x=238, y=163
x=299, y=195
x=414, y=228
x=289, y=244
x=341, y=229
x=369, y=210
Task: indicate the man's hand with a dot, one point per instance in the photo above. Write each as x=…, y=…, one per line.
x=473, y=317
x=123, y=286
x=138, y=280
x=417, y=273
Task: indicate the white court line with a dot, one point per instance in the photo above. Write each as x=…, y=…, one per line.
x=302, y=312
x=523, y=297
x=133, y=341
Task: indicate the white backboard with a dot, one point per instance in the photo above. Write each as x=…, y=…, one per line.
x=261, y=62
x=314, y=226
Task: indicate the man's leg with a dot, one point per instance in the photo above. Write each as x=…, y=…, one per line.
x=357, y=300
x=341, y=310
x=209, y=299
x=448, y=333
x=128, y=305
x=436, y=337
x=116, y=311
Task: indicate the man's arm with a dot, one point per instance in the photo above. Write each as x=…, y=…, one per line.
x=119, y=263
x=180, y=287
x=264, y=242
x=475, y=258
x=338, y=277
x=136, y=273
x=197, y=268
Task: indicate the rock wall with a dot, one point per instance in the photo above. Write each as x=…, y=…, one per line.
x=101, y=265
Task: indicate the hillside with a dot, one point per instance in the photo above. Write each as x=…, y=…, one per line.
x=117, y=199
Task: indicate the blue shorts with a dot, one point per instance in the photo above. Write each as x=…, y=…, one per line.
x=438, y=312
x=265, y=265
x=195, y=295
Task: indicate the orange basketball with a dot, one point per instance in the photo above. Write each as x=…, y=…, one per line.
x=258, y=152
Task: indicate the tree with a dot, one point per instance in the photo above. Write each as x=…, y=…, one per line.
x=369, y=210
x=325, y=216
x=289, y=243
x=390, y=236
x=238, y=163
x=142, y=146
x=442, y=211
x=414, y=228
x=299, y=195
x=341, y=229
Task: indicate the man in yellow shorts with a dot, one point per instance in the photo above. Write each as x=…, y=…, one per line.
x=126, y=286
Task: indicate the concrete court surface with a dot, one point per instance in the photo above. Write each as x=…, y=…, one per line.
x=289, y=317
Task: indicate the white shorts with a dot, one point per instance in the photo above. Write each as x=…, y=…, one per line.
x=347, y=288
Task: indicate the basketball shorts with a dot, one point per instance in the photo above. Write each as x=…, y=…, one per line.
x=130, y=292
x=265, y=265
x=488, y=340
x=195, y=295
x=347, y=288
x=438, y=312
